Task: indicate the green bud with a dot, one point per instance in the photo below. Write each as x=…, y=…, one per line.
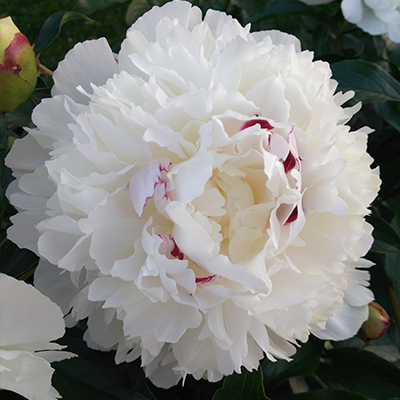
x=18, y=67
x=376, y=325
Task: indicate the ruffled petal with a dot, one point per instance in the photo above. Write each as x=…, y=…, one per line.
x=88, y=63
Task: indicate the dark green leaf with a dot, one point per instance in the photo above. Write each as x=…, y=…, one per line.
x=93, y=372
x=244, y=386
x=16, y=262
x=395, y=222
x=325, y=394
x=248, y=9
x=370, y=82
x=52, y=27
x=95, y=375
x=72, y=389
x=144, y=394
x=90, y=6
x=392, y=267
x=392, y=261
x=285, y=7
x=390, y=112
x=360, y=371
x=137, y=377
x=386, y=239
x=305, y=362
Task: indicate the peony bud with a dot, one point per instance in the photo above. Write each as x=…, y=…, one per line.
x=18, y=69
x=376, y=325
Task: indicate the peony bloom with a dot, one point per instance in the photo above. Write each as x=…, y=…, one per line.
x=198, y=197
x=29, y=321
x=374, y=16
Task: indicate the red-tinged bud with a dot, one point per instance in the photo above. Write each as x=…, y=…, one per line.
x=376, y=325
x=18, y=68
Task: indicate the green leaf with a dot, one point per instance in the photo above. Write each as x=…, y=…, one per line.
x=90, y=6
x=371, y=83
x=386, y=239
x=285, y=7
x=390, y=112
x=244, y=386
x=93, y=373
x=71, y=389
x=392, y=261
x=305, y=362
x=325, y=394
x=16, y=262
x=96, y=376
x=360, y=371
x=144, y=394
x=52, y=27
x=248, y=9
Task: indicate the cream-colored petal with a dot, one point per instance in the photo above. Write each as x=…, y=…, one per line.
x=26, y=374
x=27, y=316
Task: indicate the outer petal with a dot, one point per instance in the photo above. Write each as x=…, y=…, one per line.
x=344, y=323
x=26, y=374
x=88, y=63
x=353, y=10
x=27, y=316
x=55, y=284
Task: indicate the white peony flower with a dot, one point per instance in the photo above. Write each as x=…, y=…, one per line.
x=198, y=197
x=374, y=16
x=29, y=321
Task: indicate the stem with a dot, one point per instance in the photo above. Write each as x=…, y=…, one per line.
x=45, y=70
x=339, y=36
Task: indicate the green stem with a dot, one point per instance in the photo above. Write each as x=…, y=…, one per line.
x=339, y=36
x=45, y=70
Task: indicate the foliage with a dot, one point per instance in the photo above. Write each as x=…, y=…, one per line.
x=368, y=65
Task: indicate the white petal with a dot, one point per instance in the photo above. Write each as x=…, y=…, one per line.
x=26, y=374
x=145, y=181
x=353, y=10
x=345, y=322
x=90, y=62
x=56, y=284
x=27, y=316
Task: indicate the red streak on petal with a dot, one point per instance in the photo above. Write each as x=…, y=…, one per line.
x=175, y=252
x=208, y=279
x=262, y=122
x=293, y=216
x=290, y=162
x=169, y=247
